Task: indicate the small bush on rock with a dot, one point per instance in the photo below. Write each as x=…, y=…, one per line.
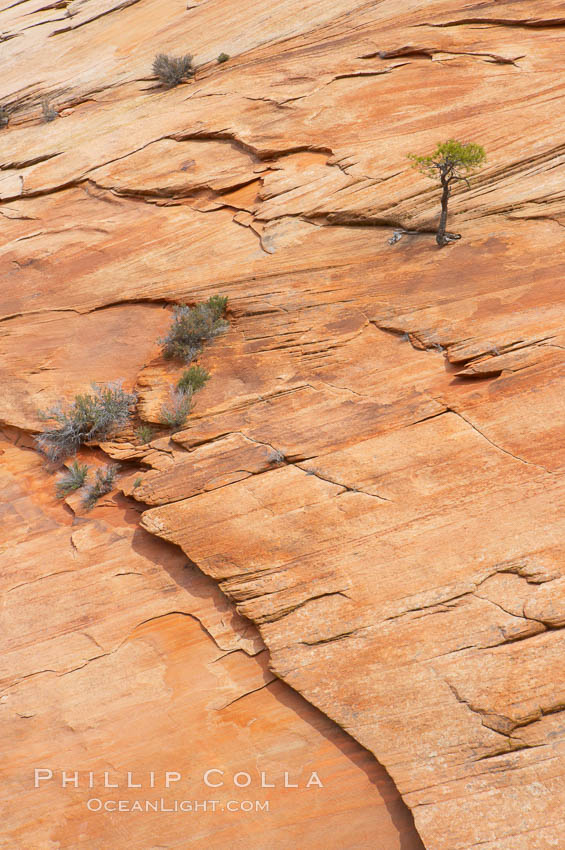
x=217, y=304
x=144, y=434
x=192, y=325
x=193, y=379
x=174, y=414
x=92, y=416
x=171, y=70
x=102, y=484
x=223, y=57
x=72, y=479
x=48, y=113
x=4, y=117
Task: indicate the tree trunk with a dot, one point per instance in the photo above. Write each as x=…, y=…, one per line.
x=440, y=236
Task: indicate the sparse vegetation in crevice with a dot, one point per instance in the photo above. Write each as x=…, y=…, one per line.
x=4, y=117
x=103, y=483
x=191, y=326
x=91, y=416
x=223, y=57
x=175, y=412
x=193, y=379
x=172, y=70
x=99, y=414
x=275, y=456
x=48, y=114
x=72, y=479
x=144, y=434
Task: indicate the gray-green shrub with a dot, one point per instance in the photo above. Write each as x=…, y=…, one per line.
x=192, y=325
x=72, y=479
x=175, y=412
x=193, y=379
x=91, y=416
x=48, y=114
x=171, y=70
x=276, y=456
x=102, y=484
x=144, y=434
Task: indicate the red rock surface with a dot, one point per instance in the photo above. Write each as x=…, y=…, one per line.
x=119, y=656
x=373, y=474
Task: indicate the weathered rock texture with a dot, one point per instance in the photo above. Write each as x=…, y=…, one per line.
x=373, y=473
x=119, y=656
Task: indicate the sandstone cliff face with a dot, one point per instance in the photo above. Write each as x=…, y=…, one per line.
x=373, y=474
x=118, y=656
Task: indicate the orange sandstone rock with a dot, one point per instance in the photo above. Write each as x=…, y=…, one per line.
x=119, y=656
